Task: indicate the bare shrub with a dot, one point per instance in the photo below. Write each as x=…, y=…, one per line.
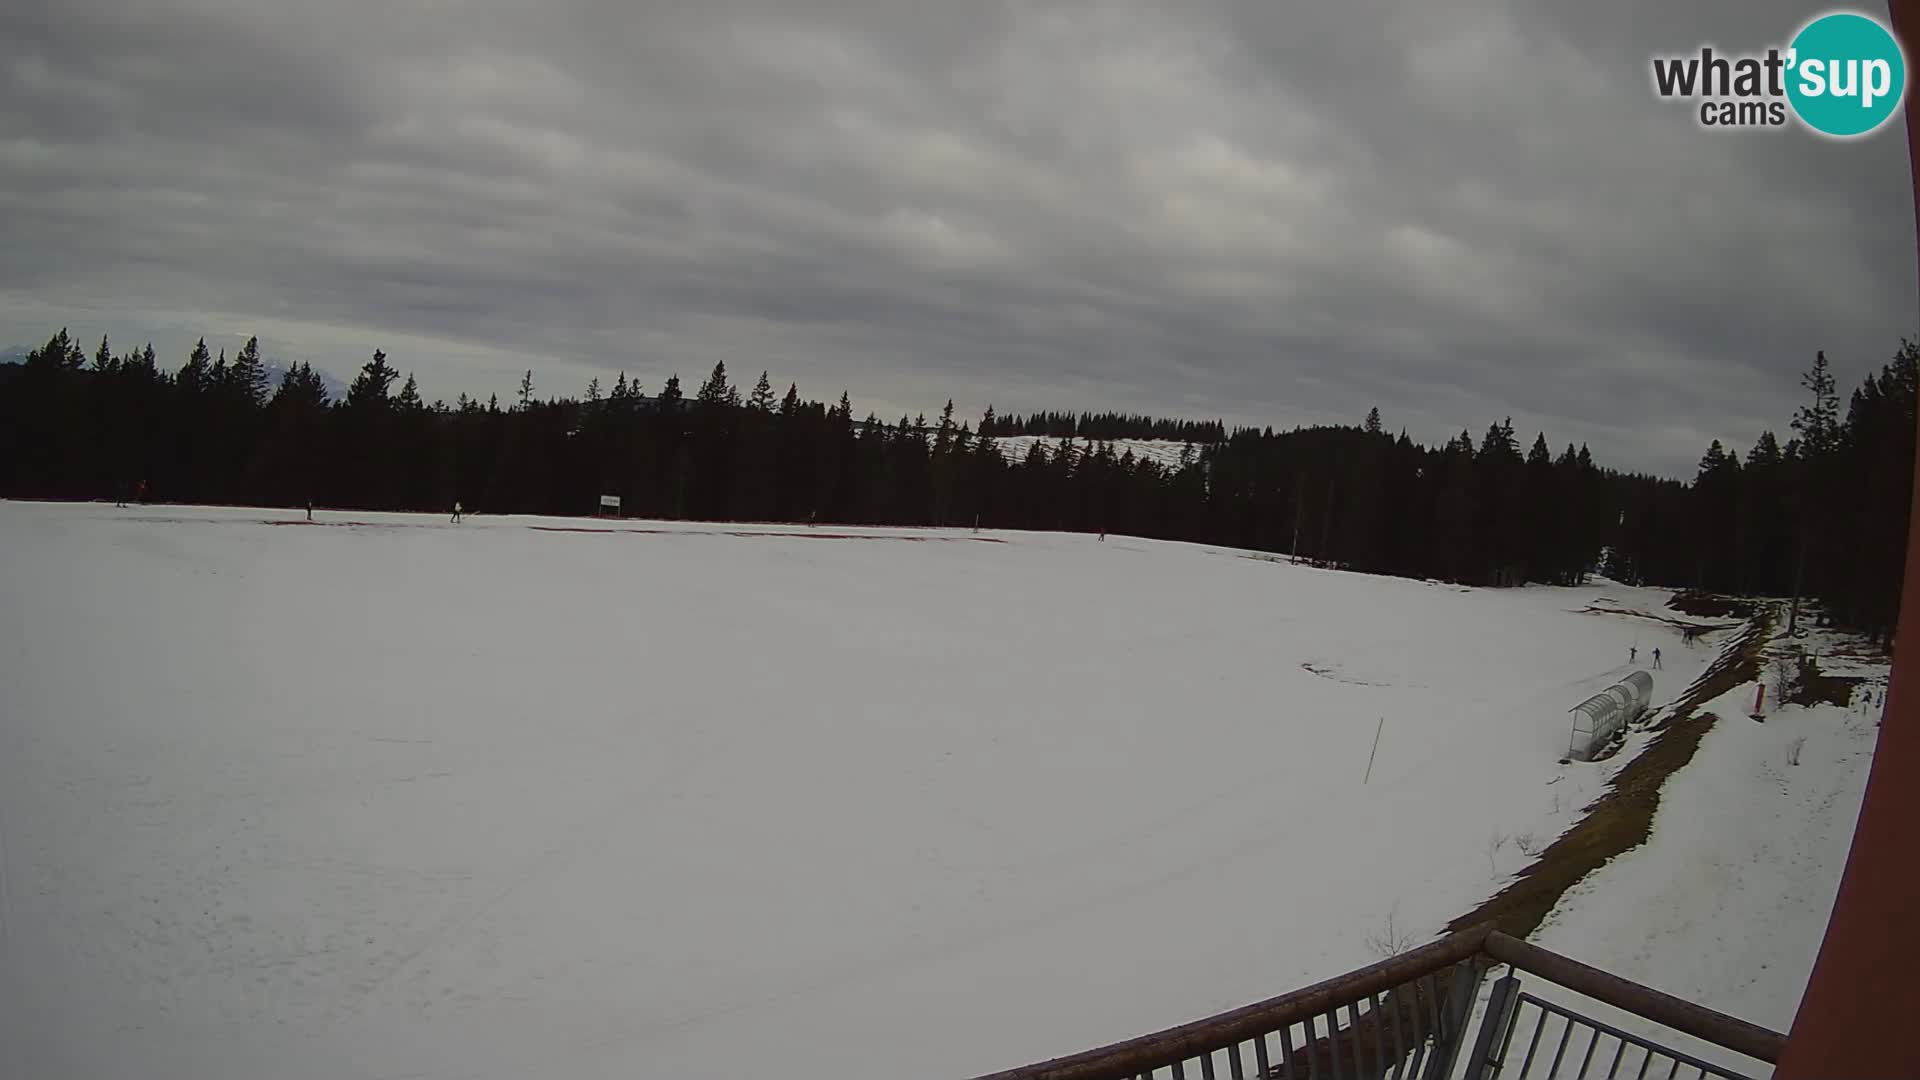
x=1389, y=940
x=1784, y=677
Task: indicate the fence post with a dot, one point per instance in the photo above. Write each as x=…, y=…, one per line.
x=1459, y=1010
x=1493, y=1028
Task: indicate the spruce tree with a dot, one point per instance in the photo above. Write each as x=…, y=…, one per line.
x=1539, y=454
x=248, y=376
x=762, y=399
x=714, y=390
x=1818, y=422
x=196, y=374
x=60, y=353
x=1815, y=486
x=300, y=389
x=371, y=388
x=944, y=435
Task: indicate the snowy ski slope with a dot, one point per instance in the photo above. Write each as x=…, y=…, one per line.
x=383, y=796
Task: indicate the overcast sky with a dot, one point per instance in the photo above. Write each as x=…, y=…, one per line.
x=1269, y=212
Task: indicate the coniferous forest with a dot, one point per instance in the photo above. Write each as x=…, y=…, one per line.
x=1820, y=514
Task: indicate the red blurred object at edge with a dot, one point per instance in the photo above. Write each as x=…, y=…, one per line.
x=1860, y=1017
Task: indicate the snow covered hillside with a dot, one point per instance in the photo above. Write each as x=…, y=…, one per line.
x=1164, y=451
x=384, y=796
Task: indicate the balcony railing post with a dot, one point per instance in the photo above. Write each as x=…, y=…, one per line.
x=1493, y=1028
x=1459, y=1010
x=1430, y=1016
x=1683, y=1016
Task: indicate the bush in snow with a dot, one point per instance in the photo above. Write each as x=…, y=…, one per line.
x=1389, y=940
x=1783, y=678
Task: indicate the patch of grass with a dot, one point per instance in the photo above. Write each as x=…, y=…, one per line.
x=1622, y=817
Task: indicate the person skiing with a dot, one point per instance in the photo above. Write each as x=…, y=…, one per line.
x=1633, y=654
x=309, y=509
x=457, y=511
x=1656, y=657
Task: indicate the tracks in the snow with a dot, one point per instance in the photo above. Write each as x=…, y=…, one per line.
x=1622, y=817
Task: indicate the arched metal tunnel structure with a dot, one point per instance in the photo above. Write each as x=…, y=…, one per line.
x=1598, y=720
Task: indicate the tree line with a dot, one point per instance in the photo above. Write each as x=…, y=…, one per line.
x=1822, y=515
x=1103, y=427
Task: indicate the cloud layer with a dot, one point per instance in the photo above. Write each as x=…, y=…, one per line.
x=1272, y=213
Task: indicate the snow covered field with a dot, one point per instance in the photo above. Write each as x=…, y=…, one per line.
x=388, y=797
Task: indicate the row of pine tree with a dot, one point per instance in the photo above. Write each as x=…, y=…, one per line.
x=1103, y=427
x=1823, y=515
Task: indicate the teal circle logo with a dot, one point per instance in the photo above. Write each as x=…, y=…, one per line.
x=1847, y=74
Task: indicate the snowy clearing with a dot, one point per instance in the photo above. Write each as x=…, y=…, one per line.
x=1162, y=451
x=398, y=798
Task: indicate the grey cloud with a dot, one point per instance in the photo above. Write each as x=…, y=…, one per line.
x=1270, y=213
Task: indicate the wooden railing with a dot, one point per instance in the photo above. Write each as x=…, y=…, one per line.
x=1406, y=1016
